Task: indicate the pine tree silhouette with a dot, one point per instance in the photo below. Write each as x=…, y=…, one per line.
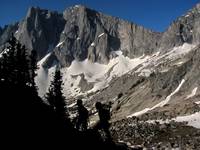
x=23, y=66
x=8, y=61
x=27, y=120
x=15, y=65
x=33, y=68
x=55, y=96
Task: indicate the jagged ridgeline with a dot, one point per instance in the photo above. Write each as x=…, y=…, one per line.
x=80, y=33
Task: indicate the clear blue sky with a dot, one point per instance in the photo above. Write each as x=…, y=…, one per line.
x=152, y=14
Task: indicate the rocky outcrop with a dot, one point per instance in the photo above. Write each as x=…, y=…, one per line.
x=40, y=30
x=93, y=35
x=184, y=30
x=6, y=32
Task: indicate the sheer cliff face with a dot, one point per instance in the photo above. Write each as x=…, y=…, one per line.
x=40, y=30
x=185, y=29
x=81, y=33
x=93, y=35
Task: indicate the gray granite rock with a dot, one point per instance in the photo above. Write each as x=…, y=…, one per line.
x=183, y=30
x=83, y=32
x=6, y=32
x=88, y=34
x=40, y=30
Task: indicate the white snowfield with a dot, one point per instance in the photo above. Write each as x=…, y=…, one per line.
x=161, y=104
x=59, y=44
x=193, y=93
x=4, y=52
x=187, y=15
x=16, y=32
x=44, y=76
x=192, y=120
x=156, y=59
x=92, y=44
x=198, y=102
x=77, y=6
x=99, y=75
x=101, y=35
x=71, y=105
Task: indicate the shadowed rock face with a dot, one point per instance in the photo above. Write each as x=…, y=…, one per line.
x=40, y=30
x=6, y=33
x=93, y=35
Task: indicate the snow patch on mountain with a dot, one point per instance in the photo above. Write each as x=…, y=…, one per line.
x=99, y=75
x=125, y=64
x=59, y=44
x=44, y=76
x=101, y=35
x=198, y=102
x=145, y=72
x=179, y=51
x=77, y=6
x=4, y=52
x=187, y=16
x=139, y=112
x=193, y=93
x=161, y=104
x=179, y=63
x=192, y=120
x=16, y=31
x=71, y=105
x=92, y=44
x=150, y=65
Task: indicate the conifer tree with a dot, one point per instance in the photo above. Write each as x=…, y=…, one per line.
x=16, y=66
x=8, y=62
x=33, y=68
x=23, y=66
x=55, y=96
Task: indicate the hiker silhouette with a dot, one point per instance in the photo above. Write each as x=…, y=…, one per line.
x=104, y=117
x=83, y=116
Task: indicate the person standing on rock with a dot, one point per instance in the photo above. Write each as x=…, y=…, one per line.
x=83, y=116
x=104, y=117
